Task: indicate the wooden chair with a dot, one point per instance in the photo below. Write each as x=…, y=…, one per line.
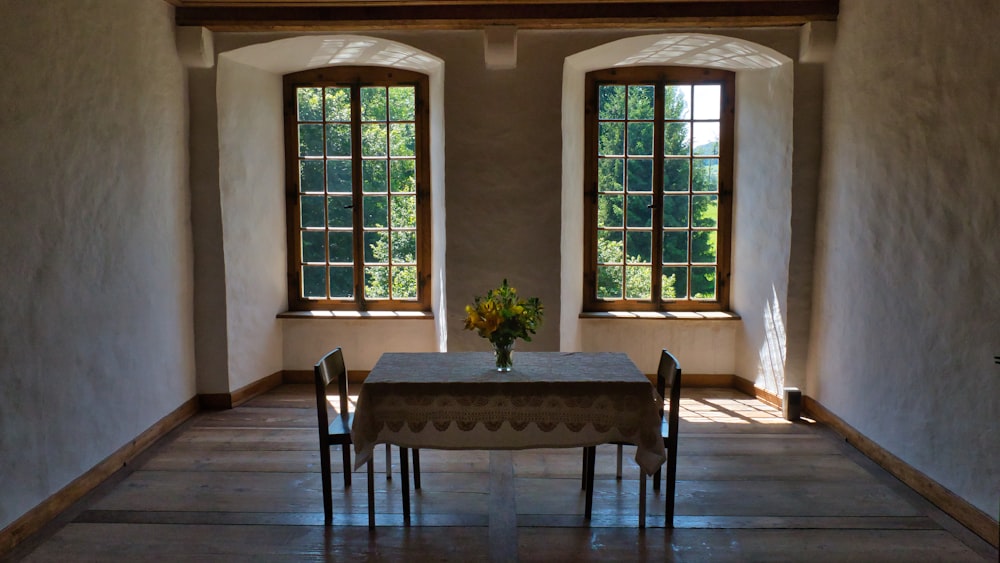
x=330, y=371
x=668, y=372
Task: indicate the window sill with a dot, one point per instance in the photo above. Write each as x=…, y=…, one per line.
x=663, y=315
x=358, y=315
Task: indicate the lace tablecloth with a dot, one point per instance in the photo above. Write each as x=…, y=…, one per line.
x=457, y=401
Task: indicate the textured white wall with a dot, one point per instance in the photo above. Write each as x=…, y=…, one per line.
x=251, y=187
x=907, y=308
x=96, y=338
x=762, y=223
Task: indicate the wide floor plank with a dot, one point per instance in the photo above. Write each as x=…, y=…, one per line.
x=244, y=485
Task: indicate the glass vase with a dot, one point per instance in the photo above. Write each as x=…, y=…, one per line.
x=503, y=353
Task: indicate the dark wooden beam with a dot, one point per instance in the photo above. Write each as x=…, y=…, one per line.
x=534, y=15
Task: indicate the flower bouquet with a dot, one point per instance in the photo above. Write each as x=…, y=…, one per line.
x=502, y=317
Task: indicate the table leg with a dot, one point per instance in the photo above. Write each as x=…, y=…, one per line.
x=642, y=498
x=371, y=495
x=591, y=460
x=404, y=471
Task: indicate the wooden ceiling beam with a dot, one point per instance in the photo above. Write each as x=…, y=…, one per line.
x=525, y=15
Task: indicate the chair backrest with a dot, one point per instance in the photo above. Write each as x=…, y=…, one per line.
x=330, y=370
x=669, y=373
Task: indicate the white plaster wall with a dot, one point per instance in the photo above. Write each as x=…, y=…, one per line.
x=907, y=307
x=701, y=346
x=363, y=341
x=507, y=202
x=251, y=184
x=95, y=342
x=762, y=223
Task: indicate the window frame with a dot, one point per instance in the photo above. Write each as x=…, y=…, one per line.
x=661, y=76
x=357, y=77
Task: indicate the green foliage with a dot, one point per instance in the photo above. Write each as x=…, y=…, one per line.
x=624, y=171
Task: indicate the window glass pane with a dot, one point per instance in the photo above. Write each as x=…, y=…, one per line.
x=609, y=210
x=611, y=102
x=639, y=212
x=339, y=211
x=675, y=174
x=609, y=247
x=338, y=104
x=611, y=140
x=402, y=101
x=403, y=176
x=703, y=247
x=342, y=282
x=311, y=140
x=338, y=176
x=338, y=139
x=402, y=139
x=677, y=102
x=404, y=282
x=706, y=138
x=675, y=247
x=674, y=285
x=341, y=246
x=638, y=284
x=314, y=282
x=640, y=175
x=376, y=210
x=377, y=282
x=310, y=107
x=311, y=176
x=404, y=211
x=638, y=247
x=609, y=282
x=676, y=139
x=373, y=104
x=703, y=282
x=312, y=211
x=610, y=174
x=373, y=177
x=373, y=139
x=640, y=101
x=404, y=247
x=376, y=247
x=706, y=210
x=312, y=246
x=640, y=139
x=706, y=175
x=675, y=211
x=707, y=101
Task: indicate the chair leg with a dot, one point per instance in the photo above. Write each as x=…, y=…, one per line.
x=671, y=479
x=642, y=498
x=656, y=480
x=618, y=472
x=589, y=504
x=404, y=472
x=388, y=462
x=416, y=469
x=324, y=464
x=346, y=451
x=371, y=495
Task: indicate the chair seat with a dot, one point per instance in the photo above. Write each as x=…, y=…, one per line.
x=341, y=426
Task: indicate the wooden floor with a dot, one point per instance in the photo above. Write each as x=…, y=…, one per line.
x=244, y=485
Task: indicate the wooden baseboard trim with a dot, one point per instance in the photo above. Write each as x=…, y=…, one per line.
x=969, y=516
x=33, y=520
x=307, y=376
x=762, y=395
x=223, y=401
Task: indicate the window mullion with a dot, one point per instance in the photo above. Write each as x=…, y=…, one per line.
x=357, y=215
x=657, y=250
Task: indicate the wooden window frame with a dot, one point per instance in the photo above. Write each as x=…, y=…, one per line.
x=357, y=77
x=660, y=76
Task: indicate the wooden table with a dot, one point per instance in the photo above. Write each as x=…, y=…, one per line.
x=458, y=401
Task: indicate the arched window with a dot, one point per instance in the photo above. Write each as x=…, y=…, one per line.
x=358, y=189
